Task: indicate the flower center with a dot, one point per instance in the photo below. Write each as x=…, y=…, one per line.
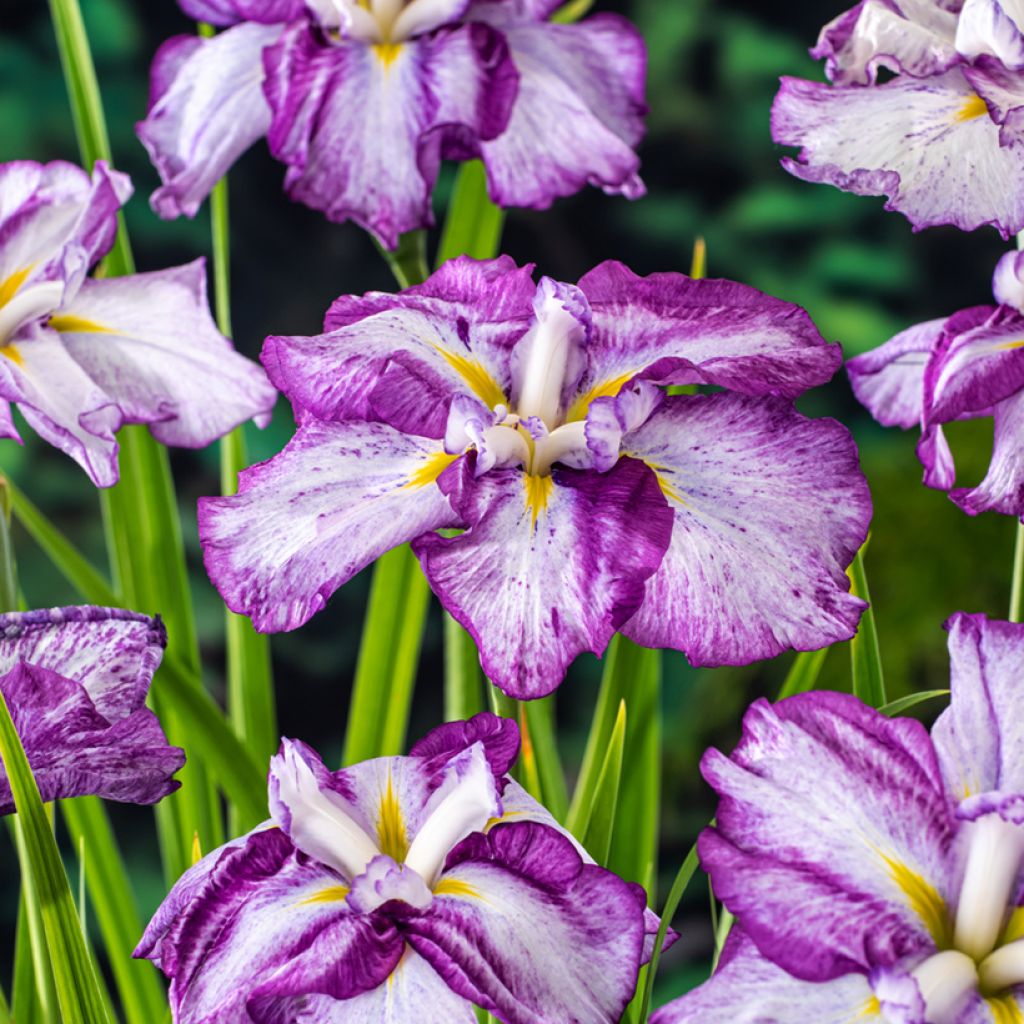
x=384, y=24
x=28, y=304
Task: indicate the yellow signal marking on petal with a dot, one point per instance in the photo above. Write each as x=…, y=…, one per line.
x=507, y=816
x=453, y=887
x=666, y=485
x=68, y=323
x=12, y=353
x=923, y=899
x=10, y=285
x=480, y=382
x=432, y=468
x=1006, y=346
x=332, y=894
x=387, y=53
x=872, y=1008
x=606, y=389
x=1005, y=1010
x=538, y=493
x=391, y=836
x=974, y=106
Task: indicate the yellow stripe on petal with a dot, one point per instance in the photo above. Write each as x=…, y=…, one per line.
x=871, y=1009
x=11, y=352
x=1005, y=1010
x=480, y=382
x=391, y=836
x=666, y=485
x=538, y=493
x=453, y=887
x=68, y=323
x=332, y=894
x=974, y=106
x=387, y=53
x=923, y=898
x=433, y=466
x=10, y=285
x=606, y=389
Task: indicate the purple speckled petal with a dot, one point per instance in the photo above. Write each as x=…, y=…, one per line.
x=670, y=329
x=363, y=128
x=499, y=736
x=307, y=521
x=550, y=567
x=206, y=108
x=911, y=37
x=986, y=28
x=401, y=359
x=769, y=510
x=928, y=144
x=831, y=807
x=979, y=739
x=889, y=380
x=74, y=751
x=747, y=987
x=578, y=114
x=229, y=12
x=1002, y=490
x=149, y=342
x=522, y=927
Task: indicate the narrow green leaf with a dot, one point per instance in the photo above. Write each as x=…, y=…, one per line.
x=901, y=704
x=142, y=995
x=540, y=722
x=803, y=673
x=463, y=679
x=75, y=975
x=5, y=1010
x=33, y=992
x=474, y=224
x=866, y=659
x=598, y=824
x=722, y=929
x=572, y=11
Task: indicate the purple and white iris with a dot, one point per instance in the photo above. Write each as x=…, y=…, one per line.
x=81, y=357
x=534, y=418
x=944, y=139
x=362, y=99
x=75, y=681
x=402, y=890
x=875, y=871
x=966, y=366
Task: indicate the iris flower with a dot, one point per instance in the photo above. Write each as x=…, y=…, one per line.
x=81, y=357
x=966, y=366
x=402, y=889
x=534, y=419
x=362, y=99
x=75, y=681
x=874, y=870
x=944, y=138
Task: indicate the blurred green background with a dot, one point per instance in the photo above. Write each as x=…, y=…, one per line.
x=712, y=170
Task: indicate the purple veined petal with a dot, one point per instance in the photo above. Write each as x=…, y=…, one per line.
x=61, y=402
x=578, y=114
x=889, y=380
x=229, y=12
x=550, y=567
x=934, y=454
x=749, y=987
x=929, y=145
x=522, y=927
x=112, y=653
x=498, y=736
x=670, y=329
x=74, y=751
x=979, y=738
x=992, y=27
x=413, y=994
x=331, y=100
x=307, y=521
x=401, y=359
x=899, y=994
x=831, y=807
x=910, y=37
x=512, y=12
x=1002, y=490
x=1008, y=280
x=206, y=108
x=149, y=342
x=7, y=428
x=769, y=509
x=421, y=16
x=610, y=419
x=1002, y=90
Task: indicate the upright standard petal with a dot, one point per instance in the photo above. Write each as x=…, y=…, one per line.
x=522, y=927
x=831, y=806
x=671, y=329
x=75, y=751
x=769, y=509
x=550, y=566
x=362, y=127
x=929, y=145
x=305, y=522
x=578, y=114
x=206, y=108
x=149, y=342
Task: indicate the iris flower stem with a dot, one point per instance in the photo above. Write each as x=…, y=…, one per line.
x=141, y=517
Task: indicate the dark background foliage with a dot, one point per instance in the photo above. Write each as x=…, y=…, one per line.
x=712, y=170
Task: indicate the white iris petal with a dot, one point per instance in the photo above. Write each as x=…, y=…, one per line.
x=29, y=304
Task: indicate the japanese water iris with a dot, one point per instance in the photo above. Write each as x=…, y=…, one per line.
x=361, y=100
x=81, y=357
x=534, y=418
x=874, y=870
x=943, y=139
x=75, y=681
x=966, y=366
x=402, y=889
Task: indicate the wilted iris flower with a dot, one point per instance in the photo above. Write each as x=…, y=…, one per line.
x=75, y=681
x=966, y=366
x=362, y=100
x=944, y=139
x=874, y=871
x=534, y=419
x=81, y=357
x=402, y=889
